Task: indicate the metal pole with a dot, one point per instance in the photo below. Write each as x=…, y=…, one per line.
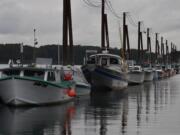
x=102, y=26
x=124, y=33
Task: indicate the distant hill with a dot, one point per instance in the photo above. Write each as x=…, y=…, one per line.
x=12, y=51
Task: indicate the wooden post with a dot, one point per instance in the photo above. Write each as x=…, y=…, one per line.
x=106, y=29
x=102, y=26
x=68, y=57
x=139, y=42
x=124, y=33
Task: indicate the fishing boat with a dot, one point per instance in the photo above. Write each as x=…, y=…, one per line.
x=148, y=74
x=82, y=86
x=109, y=71
x=160, y=72
x=135, y=74
x=34, y=86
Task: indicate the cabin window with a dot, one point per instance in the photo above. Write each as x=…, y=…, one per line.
x=104, y=61
x=51, y=76
x=11, y=72
x=36, y=74
x=136, y=68
x=113, y=61
x=91, y=60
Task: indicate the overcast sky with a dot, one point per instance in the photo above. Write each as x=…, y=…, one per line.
x=18, y=18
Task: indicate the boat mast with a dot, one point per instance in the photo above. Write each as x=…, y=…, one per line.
x=104, y=28
x=162, y=51
x=21, y=52
x=157, y=48
x=67, y=29
x=149, y=46
x=167, y=53
x=34, y=49
x=125, y=39
x=140, y=45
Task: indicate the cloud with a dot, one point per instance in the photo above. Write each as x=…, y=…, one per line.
x=18, y=18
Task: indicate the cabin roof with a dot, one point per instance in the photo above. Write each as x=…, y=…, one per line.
x=29, y=68
x=106, y=54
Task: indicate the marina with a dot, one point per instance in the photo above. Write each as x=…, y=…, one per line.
x=130, y=86
x=149, y=108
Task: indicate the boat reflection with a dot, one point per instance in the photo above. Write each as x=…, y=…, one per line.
x=36, y=120
x=130, y=108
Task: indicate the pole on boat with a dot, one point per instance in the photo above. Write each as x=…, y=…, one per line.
x=21, y=52
x=102, y=25
x=104, y=29
x=149, y=46
x=68, y=56
x=124, y=34
x=34, y=49
x=126, y=44
x=167, y=53
x=162, y=50
x=140, y=44
x=156, y=48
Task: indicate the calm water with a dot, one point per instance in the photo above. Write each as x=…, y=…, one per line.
x=148, y=109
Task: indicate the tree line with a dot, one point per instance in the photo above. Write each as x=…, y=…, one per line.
x=12, y=51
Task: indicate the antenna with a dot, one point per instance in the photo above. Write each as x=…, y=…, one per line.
x=35, y=43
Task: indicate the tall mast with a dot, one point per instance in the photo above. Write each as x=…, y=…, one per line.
x=34, y=49
x=102, y=26
x=124, y=33
x=126, y=44
x=67, y=31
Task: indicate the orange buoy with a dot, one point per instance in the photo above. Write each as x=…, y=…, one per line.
x=71, y=92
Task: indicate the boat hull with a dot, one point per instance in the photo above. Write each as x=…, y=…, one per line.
x=104, y=78
x=155, y=75
x=19, y=92
x=148, y=76
x=135, y=77
x=82, y=89
x=87, y=71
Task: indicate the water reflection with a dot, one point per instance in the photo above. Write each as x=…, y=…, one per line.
x=135, y=110
x=38, y=120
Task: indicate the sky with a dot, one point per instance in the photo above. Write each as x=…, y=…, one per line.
x=18, y=18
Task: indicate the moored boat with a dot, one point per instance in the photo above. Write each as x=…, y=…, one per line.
x=109, y=71
x=82, y=86
x=148, y=74
x=135, y=75
x=34, y=86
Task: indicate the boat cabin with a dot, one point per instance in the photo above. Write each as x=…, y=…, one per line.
x=31, y=72
x=104, y=59
x=135, y=68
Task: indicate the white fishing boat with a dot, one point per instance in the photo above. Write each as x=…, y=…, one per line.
x=109, y=71
x=135, y=75
x=148, y=74
x=34, y=86
x=82, y=86
x=160, y=72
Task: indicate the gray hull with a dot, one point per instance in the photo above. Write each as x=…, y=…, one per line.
x=25, y=92
x=148, y=75
x=135, y=77
x=82, y=89
x=101, y=78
